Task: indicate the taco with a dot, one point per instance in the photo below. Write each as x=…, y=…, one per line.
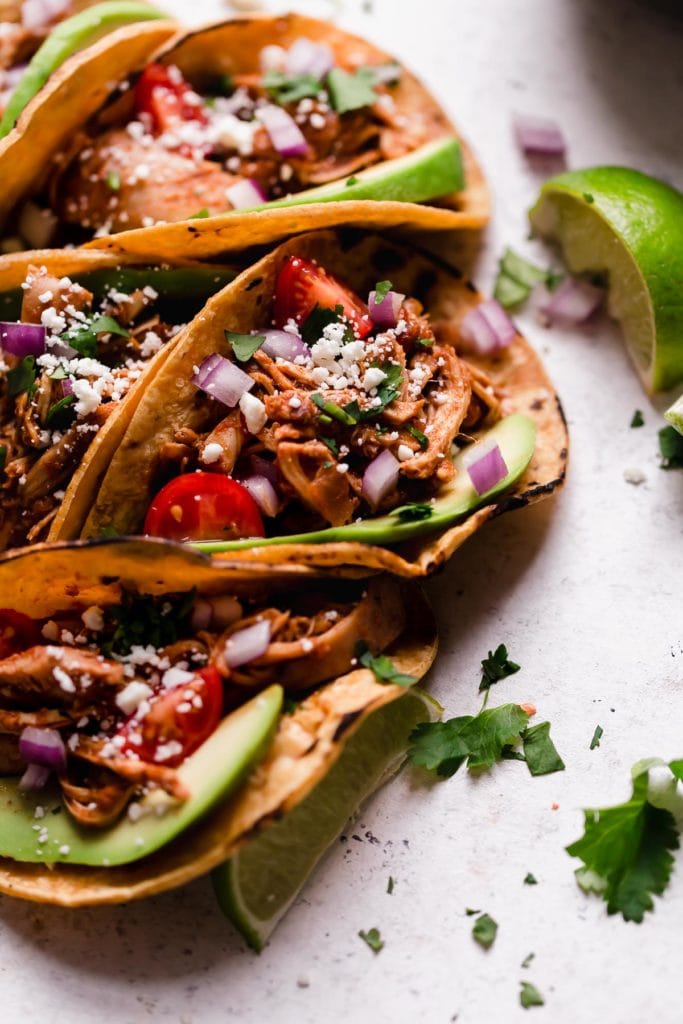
x=330, y=386
x=80, y=333
x=141, y=684
x=243, y=133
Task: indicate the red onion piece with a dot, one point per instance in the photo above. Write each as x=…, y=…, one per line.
x=305, y=57
x=385, y=313
x=572, y=302
x=39, y=14
x=262, y=467
x=37, y=226
x=284, y=132
x=22, y=339
x=284, y=345
x=246, y=193
x=487, y=328
x=44, y=747
x=35, y=777
x=380, y=478
x=247, y=644
x=222, y=380
x=263, y=493
x=68, y=386
x=487, y=470
x=538, y=136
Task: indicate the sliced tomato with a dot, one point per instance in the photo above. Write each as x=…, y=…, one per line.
x=304, y=284
x=17, y=632
x=165, y=96
x=204, y=506
x=186, y=714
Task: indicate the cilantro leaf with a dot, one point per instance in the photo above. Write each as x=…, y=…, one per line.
x=22, y=377
x=289, y=706
x=84, y=337
x=318, y=319
x=414, y=512
x=331, y=444
x=113, y=180
x=373, y=939
x=344, y=416
x=529, y=879
x=421, y=438
x=244, y=345
x=390, y=885
x=626, y=852
x=529, y=995
x=55, y=411
x=200, y=214
x=541, y=755
x=142, y=620
x=383, y=667
x=484, y=931
x=390, y=387
x=382, y=289
x=353, y=180
x=495, y=667
x=471, y=912
x=290, y=88
x=597, y=736
x=351, y=91
x=637, y=419
x=671, y=448
x=425, y=342
x=444, y=746
x=517, y=278
x=3, y=456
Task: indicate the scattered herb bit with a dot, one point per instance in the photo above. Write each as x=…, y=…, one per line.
x=425, y=342
x=372, y=939
x=597, y=735
x=626, y=851
x=226, y=84
x=318, y=319
x=414, y=513
x=387, y=391
x=84, y=337
x=390, y=885
x=331, y=444
x=22, y=377
x=421, y=438
x=334, y=410
x=53, y=413
x=353, y=180
x=470, y=912
x=3, y=456
x=59, y=373
x=495, y=667
x=109, y=531
x=671, y=448
x=529, y=995
x=289, y=706
x=200, y=214
x=290, y=88
x=540, y=752
x=113, y=180
x=529, y=879
x=588, y=197
x=351, y=91
x=383, y=667
x=480, y=740
x=637, y=419
x=244, y=345
x=517, y=278
x=382, y=289
x=144, y=620
x=526, y=962
x=484, y=931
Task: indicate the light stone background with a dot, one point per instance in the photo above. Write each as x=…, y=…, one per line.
x=585, y=590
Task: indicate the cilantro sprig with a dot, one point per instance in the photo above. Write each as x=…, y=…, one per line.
x=373, y=939
x=142, y=620
x=383, y=667
x=484, y=931
x=244, y=345
x=351, y=91
x=517, y=278
x=290, y=88
x=22, y=377
x=84, y=337
x=496, y=666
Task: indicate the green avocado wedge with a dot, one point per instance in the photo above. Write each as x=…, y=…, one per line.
x=516, y=437
x=70, y=36
x=211, y=774
x=433, y=170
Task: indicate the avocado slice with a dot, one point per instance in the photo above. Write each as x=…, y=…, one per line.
x=71, y=35
x=433, y=170
x=211, y=774
x=516, y=437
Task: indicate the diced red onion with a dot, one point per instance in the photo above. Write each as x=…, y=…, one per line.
x=222, y=379
x=283, y=131
x=263, y=467
x=305, y=57
x=263, y=493
x=572, y=302
x=247, y=644
x=284, y=345
x=487, y=470
x=37, y=226
x=487, y=328
x=44, y=747
x=538, y=136
x=380, y=478
x=38, y=14
x=22, y=339
x=385, y=313
x=35, y=777
x=68, y=386
x=246, y=193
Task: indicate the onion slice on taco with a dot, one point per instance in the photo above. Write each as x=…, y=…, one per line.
x=332, y=383
x=140, y=686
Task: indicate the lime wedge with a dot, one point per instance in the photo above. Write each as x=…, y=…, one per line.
x=256, y=887
x=627, y=227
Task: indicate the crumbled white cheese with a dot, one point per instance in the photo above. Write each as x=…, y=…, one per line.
x=65, y=681
x=404, y=453
x=176, y=677
x=212, y=452
x=131, y=696
x=254, y=412
x=93, y=619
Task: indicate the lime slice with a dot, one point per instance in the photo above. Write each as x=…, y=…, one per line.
x=628, y=227
x=256, y=887
x=675, y=415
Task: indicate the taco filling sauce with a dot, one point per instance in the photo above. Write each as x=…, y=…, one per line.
x=345, y=409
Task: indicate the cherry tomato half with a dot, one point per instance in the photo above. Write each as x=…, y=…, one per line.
x=186, y=714
x=17, y=632
x=163, y=94
x=204, y=506
x=303, y=284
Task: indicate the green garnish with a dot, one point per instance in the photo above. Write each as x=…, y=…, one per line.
x=289, y=706
x=331, y=444
x=59, y=373
x=671, y=448
x=353, y=180
x=526, y=962
x=517, y=278
x=529, y=879
x=144, y=620
x=113, y=181
x=529, y=995
x=109, y=531
x=3, y=457
x=54, y=411
x=84, y=337
x=496, y=666
x=200, y=214
x=425, y=342
x=414, y=513
x=540, y=752
x=334, y=410
x=597, y=736
x=421, y=438
x=351, y=91
x=290, y=88
x=471, y=912
x=484, y=931
x=318, y=319
x=588, y=197
x=390, y=885
x=244, y=345
x=382, y=289
x=637, y=419
x=382, y=666
x=373, y=939
x=22, y=377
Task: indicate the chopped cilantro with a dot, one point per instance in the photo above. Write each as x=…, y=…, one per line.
x=373, y=939
x=290, y=88
x=480, y=740
x=353, y=180
x=53, y=413
x=59, y=373
x=526, y=962
x=113, y=180
x=517, y=277
x=421, y=438
x=331, y=444
x=390, y=386
x=471, y=912
x=671, y=448
x=597, y=736
x=626, y=851
x=318, y=319
x=383, y=667
x=425, y=342
x=289, y=706
x=351, y=91
x=588, y=197
x=143, y=620
x=200, y=214
x=414, y=513
x=3, y=457
x=244, y=345
x=84, y=336
x=529, y=879
x=109, y=531
x=334, y=410
x=529, y=995
x=541, y=755
x=382, y=289
x=484, y=931
x=22, y=377
x=390, y=885
x=637, y=419
x=496, y=666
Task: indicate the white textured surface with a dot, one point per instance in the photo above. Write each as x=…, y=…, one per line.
x=586, y=592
